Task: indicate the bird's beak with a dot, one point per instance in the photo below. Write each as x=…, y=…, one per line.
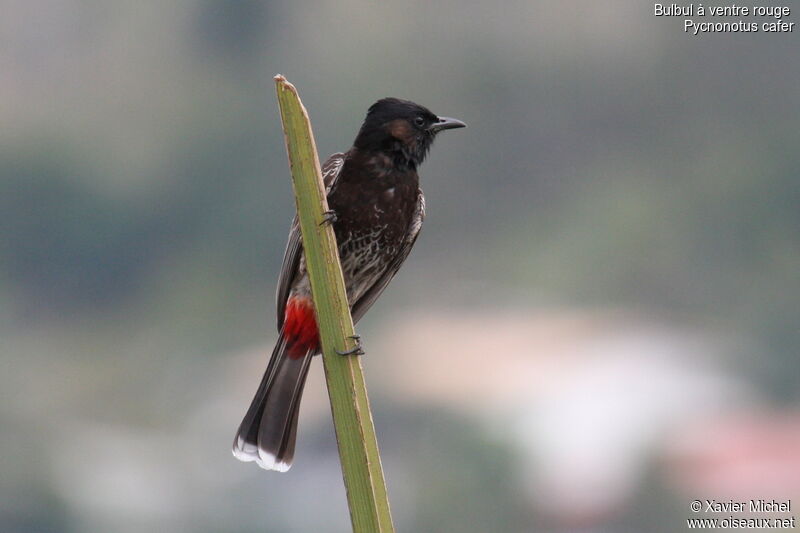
x=446, y=123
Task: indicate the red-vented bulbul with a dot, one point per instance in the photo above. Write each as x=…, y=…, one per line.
x=376, y=208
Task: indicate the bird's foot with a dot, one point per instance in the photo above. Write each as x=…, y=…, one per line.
x=357, y=350
x=329, y=217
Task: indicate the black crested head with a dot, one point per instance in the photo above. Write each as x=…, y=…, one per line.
x=401, y=129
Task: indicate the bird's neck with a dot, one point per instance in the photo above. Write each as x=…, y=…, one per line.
x=385, y=165
x=404, y=155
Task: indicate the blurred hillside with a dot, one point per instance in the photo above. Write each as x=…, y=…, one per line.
x=613, y=164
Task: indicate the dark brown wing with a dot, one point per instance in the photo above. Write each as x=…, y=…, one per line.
x=368, y=298
x=294, y=248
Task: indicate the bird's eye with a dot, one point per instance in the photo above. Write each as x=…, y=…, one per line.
x=419, y=120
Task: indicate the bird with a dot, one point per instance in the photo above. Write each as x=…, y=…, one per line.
x=376, y=208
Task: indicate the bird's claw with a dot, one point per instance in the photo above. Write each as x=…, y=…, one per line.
x=357, y=350
x=329, y=217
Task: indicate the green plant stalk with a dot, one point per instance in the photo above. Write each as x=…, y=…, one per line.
x=352, y=418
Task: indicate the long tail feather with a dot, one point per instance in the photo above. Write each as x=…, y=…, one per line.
x=268, y=431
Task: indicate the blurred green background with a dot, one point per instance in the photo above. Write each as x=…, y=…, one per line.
x=598, y=324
